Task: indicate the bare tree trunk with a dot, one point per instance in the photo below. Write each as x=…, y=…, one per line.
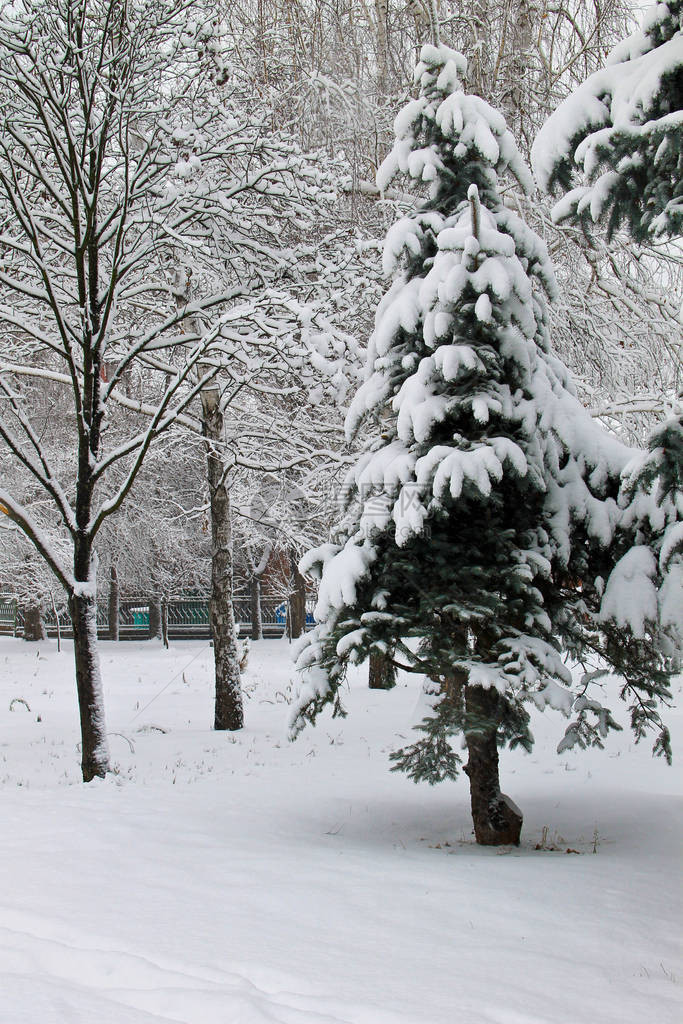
x=57, y=622
x=262, y=38
x=381, y=15
x=155, y=631
x=381, y=673
x=256, y=620
x=421, y=19
x=94, y=748
x=297, y=600
x=257, y=570
x=497, y=821
x=113, y=604
x=523, y=16
x=478, y=68
x=164, y=620
x=34, y=624
x=229, y=712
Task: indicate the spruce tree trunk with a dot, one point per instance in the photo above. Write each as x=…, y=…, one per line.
x=256, y=620
x=297, y=600
x=229, y=713
x=34, y=624
x=94, y=748
x=381, y=673
x=497, y=822
x=113, y=605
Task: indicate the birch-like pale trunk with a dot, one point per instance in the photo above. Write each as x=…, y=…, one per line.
x=382, y=16
x=229, y=712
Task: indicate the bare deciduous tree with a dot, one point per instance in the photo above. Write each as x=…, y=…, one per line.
x=96, y=204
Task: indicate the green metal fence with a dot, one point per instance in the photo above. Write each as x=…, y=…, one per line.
x=187, y=617
x=8, y=617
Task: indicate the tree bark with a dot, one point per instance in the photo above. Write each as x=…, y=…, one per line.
x=94, y=747
x=34, y=624
x=497, y=822
x=521, y=32
x=113, y=604
x=155, y=630
x=382, y=16
x=57, y=622
x=297, y=600
x=164, y=621
x=381, y=672
x=256, y=620
x=229, y=712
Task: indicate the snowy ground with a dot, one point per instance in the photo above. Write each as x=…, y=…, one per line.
x=241, y=879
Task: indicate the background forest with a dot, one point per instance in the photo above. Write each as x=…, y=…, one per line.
x=323, y=82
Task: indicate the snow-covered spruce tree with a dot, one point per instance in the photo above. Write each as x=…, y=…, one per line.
x=621, y=131
x=619, y=136
x=481, y=518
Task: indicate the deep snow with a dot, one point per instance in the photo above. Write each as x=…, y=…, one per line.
x=241, y=879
